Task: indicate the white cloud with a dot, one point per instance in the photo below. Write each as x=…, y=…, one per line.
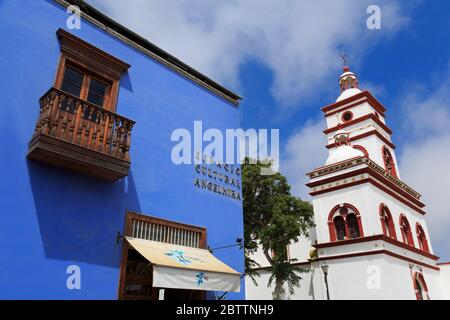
x=425, y=159
x=298, y=40
x=425, y=165
x=305, y=151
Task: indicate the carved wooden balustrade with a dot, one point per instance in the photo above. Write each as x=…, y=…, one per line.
x=79, y=135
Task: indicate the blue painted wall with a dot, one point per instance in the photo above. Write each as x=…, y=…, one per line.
x=52, y=218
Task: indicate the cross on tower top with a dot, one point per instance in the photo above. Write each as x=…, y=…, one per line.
x=344, y=59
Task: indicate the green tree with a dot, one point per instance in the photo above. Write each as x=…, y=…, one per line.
x=273, y=218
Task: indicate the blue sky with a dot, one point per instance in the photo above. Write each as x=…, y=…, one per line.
x=283, y=58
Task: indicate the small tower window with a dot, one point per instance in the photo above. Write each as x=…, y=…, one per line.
x=387, y=223
x=419, y=290
x=339, y=225
x=406, y=230
x=422, y=238
x=353, y=228
x=344, y=222
x=386, y=227
x=347, y=116
x=389, y=164
x=420, y=286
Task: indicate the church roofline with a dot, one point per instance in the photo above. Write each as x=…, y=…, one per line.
x=138, y=42
x=337, y=166
x=385, y=181
x=365, y=96
x=375, y=183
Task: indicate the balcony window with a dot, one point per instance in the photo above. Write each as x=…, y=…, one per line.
x=72, y=81
x=85, y=86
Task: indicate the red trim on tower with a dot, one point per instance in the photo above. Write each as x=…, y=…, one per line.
x=333, y=164
x=373, y=252
x=361, y=148
x=383, y=237
x=358, y=120
x=368, y=97
x=337, y=177
x=366, y=134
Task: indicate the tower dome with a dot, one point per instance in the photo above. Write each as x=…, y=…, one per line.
x=348, y=83
x=343, y=150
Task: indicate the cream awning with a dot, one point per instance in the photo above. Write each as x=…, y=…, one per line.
x=181, y=267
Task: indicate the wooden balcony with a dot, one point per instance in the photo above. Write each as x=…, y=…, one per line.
x=81, y=136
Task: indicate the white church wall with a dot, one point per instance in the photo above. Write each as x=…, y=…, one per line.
x=262, y=292
x=372, y=277
x=433, y=279
x=444, y=280
x=297, y=250
x=260, y=258
x=300, y=250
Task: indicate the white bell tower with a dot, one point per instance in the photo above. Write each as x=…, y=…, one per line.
x=371, y=239
x=368, y=221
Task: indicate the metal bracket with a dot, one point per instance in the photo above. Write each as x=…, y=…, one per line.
x=119, y=236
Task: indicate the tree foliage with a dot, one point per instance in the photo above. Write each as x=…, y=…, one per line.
x=273, y=218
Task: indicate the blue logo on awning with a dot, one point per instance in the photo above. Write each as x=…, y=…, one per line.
x=178, y=256
x=201, y=278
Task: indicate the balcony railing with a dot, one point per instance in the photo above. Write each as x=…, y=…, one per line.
x=74, y=133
